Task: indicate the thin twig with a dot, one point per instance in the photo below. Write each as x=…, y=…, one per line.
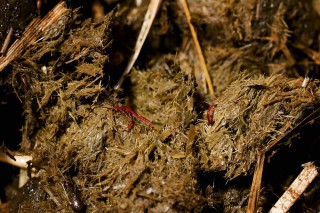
x=51, y=195
x=148, y=20
x=256, y=184
x=258, y=8
x=198, y=48
x=6, y=42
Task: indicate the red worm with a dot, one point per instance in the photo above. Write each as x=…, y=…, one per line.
x=129, y=113
x=209, y=114
x=140, y=117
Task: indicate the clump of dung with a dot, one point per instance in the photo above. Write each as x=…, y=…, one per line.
x=251, y=113
x=88, y=145
x=81, y=135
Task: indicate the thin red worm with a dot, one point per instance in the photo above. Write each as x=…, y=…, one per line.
x=139, y=117
x=209, y=114
x=120, y=108
x=129, y=113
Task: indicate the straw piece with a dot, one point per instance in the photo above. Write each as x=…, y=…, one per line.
x=148, y=20
x=6, y=42
x=198, y=48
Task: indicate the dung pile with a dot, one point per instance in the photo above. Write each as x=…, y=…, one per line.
x=251, y=113
x=154, y=165
x=79, y=133
x=116, y=168
x=143, y=148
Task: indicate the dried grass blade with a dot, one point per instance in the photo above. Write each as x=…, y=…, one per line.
x=198, y=48
x=147, y=23
x=6, y=42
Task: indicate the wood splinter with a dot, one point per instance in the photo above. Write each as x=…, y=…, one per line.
x=299, y=185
